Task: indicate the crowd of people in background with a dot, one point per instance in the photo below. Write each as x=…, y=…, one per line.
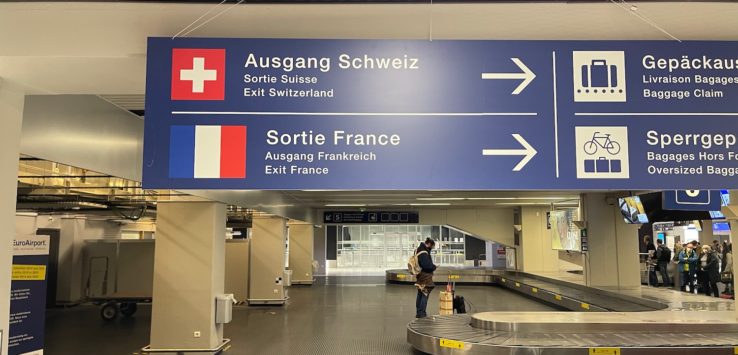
x=699, y=267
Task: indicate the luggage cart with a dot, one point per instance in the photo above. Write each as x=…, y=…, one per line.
x=118, y=284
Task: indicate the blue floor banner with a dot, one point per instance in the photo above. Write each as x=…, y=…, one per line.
x=28, y=295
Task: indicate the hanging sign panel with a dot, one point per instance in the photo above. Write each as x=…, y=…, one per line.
x=692, y=200
x=418, y=115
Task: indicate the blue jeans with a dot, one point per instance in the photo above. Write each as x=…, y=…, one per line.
x=652, y=279
x=421, y=302
x=688, y=280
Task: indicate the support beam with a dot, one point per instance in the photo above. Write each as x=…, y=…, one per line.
x=535, y=242
x=189, y=271
x=612, y=261
x=301, y=252
x=11, y=116
x=267, y=260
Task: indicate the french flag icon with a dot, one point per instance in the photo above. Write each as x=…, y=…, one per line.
x=207, y=152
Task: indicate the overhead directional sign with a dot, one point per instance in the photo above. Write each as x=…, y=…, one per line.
x=528, y=152
x=470, y=115
x=526, y=75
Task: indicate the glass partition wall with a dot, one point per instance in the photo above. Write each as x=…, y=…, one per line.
x=389, y=246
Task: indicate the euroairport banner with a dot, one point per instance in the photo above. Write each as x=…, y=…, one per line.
x=28, y=295
x=449, y=115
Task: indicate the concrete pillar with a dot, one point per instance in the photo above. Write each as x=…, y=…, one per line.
x=707, y=235
x=612, y=261
x=267, y=260
x=319, y=240
x=301, y=252
x=731, y=213
x=237, y=268
x=536, y=253
x=189, y=271
x=11, y=117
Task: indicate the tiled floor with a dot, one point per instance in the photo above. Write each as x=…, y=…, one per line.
x=337, y=315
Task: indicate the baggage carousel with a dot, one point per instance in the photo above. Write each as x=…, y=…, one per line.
x=598, y=321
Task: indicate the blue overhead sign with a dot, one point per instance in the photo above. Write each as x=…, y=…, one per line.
x=487, y=115
x=692, y=200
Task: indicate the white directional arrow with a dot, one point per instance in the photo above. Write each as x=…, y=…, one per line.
x=527, y=75
x=528, y=151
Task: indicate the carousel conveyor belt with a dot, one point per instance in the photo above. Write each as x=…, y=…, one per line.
x=560, y=294
x=603, y=322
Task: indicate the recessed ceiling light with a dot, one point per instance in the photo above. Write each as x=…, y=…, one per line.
x=441, y=198
x=430, y=204
x=491, y=198
x=523, y=203
x=328, y=190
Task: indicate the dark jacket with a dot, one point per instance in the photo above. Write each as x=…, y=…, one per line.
x=712, y=270
x=425, y=260
x=663, y=254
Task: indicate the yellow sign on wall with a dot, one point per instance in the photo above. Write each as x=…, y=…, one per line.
x=604, y=351
x=29, y=272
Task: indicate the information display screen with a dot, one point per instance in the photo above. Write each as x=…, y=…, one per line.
x=721, y=228
x=632, y=210
x=564, y=234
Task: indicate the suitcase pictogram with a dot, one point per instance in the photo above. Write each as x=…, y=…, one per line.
x=602, y=165
x=598, y=74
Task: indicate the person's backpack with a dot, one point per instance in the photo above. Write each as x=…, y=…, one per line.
x=413, y=264
x=664, y=254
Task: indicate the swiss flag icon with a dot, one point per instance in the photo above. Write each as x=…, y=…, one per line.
x=198, y=74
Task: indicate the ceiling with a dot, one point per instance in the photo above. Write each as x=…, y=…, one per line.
x=100, y=48
x=431, y=199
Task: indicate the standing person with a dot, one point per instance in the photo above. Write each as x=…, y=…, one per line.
x=727, y=267
x=425, y=277
x=677, y=280
x=717, y=250
x=687, y=266
x=677, y=249
x=710, y=265
x=651, y=261
x=663, y=256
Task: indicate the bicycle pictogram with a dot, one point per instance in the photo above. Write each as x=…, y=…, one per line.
x=601, y=140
